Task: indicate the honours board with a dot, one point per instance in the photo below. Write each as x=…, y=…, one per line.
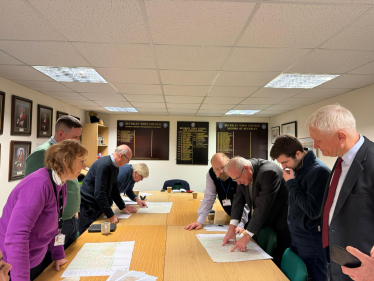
x=148, y=140
x=248, y=140
x=192, y=143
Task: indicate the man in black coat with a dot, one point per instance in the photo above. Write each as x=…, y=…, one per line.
x=262, y=187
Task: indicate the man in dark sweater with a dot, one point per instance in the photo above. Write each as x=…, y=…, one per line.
x=100, y=187
x=306, y=177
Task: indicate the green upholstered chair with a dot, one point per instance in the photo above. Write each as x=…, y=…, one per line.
x=293, y=266
x=267, y=239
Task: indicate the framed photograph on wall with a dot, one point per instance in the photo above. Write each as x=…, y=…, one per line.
x=45, y=115
x=290, y=128
x=275, y=132
x=76, y=117
x=309, y=143
x=2, y=102
x=21, y=116
x=60, y=114
x=19, y=151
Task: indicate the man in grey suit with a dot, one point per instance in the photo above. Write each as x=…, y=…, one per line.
x=262, y=187
x=348, y=205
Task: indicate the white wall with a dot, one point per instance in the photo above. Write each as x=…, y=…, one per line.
x=161, y=170
x=10, y=88
x=360, y=102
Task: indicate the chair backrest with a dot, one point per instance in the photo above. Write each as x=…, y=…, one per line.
x=293, y=266
x=267, y=239
x=176, y=184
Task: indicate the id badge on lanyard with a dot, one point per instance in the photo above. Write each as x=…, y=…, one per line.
x=226, y=202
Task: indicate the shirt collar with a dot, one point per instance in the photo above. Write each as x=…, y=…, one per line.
x=351, y=154
x=56, y=178
x=52, y=140
x=113, y=161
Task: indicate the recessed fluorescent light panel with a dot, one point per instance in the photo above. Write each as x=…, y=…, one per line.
x=241, y=112
x=67, y=74
x=122, y=109
x=303, y=81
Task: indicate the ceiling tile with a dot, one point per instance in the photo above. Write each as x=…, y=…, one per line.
x=142, y=98
x=100, y=21
x=284, y=107
x=182, y=111
x=322, y=93
x=195, y=22
x=23, y=73
x=152, y=110
x=174, y=90
x=297, y=25
x=270, y=112
x=90, y=87
x=272, y=100
x=348, y=81
x=111, y=55
x=183, y=105
x=103, y=96
x=300, y=101
x=190, y=58
x=44, y=53
x=266, y=59
x=231, y=91
x=222, y=100
x=138, y=89
x=251, y=107
x=144, y=105
x=257, y=79
x=80, y=102
x=358, y=36
x=19, y=21
x=226, y=107
x=131, y=76
x=276, y=93
x=43, y=86
x=365, y=69
x=188, y=77
x=214, y=111
x=6, y=59
x=183, y=99
x=331, y=61
x=113, y=103
x=65, y=95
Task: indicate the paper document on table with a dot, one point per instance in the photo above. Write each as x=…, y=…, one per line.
x=130, y=276
x=115, y=275
x=147, y=194
x=101, y=259
x=218, y=253
x=156, y=208
x=120, y=215
x=216, y=227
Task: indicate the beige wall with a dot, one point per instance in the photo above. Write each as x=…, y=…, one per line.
x=360, y=102
x=10, y=88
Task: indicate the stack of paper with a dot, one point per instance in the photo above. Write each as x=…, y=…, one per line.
x=121, y=275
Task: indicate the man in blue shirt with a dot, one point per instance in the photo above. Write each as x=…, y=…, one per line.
x=128, y=175
x=306, y=177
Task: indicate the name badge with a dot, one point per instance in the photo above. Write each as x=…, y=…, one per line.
x=59, y=239
x=226, y=202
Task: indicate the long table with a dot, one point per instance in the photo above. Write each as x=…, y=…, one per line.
x=164, y=249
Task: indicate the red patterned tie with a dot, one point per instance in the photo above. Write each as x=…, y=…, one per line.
x=329, y=200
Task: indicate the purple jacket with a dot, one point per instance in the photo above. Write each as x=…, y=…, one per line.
x=30, y=223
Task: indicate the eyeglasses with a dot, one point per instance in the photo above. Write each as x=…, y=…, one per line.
x=126, y=157
x=140, y=175
x=83, y=162
x=239, y=177
x=219, y=169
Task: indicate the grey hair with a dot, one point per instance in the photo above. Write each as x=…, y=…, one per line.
x=331, y=118
x=141, y=169
x=238, y=163
x=122, y=150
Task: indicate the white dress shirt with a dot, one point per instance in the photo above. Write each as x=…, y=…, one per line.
x=346, y=164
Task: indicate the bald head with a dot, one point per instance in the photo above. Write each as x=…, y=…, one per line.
x=122, y=155
x=218, y=162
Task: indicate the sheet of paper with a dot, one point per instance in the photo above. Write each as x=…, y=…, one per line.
x=218, y=253
x=120, y=215
x=216, y=227
x=156, y=208
x=133, y=276
x=148, y=194
x=115, y=275
x=75, y=278
x=101, y=259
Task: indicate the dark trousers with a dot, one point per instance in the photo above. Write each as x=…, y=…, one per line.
x=87, y=216
x=70, y=229
x=314, y=258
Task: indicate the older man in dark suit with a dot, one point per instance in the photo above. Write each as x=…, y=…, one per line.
x=262, y=187
x=348, y=205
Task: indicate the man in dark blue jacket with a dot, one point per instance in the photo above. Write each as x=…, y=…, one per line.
x=306, y=177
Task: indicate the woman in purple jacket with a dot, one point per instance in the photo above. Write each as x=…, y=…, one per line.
x=30, y=223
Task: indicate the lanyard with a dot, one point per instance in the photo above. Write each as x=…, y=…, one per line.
x=59, y=210
x=226, y=191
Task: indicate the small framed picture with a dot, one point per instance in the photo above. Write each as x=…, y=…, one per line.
x=275, y=132
x=19, y=151
x=21, y=116
x=2, y=101
x=45, y=115
x=309, y=143
x=290, y=129
x=60, y=114
x=76, y=117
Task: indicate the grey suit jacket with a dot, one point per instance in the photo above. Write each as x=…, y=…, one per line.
x=270, y=198
x=352, y=223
